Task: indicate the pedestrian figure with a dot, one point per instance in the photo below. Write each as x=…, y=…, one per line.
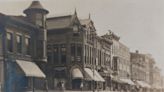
x=46, y=85
x=58, y=86
x=81, y=86
x=62, y=87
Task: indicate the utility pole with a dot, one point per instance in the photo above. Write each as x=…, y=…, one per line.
x=95, y=55
x=93, y=78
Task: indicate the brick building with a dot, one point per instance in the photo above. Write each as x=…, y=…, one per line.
x=86, y=57
x=120, y=64
x=23, y=49
x=140, y=72
x=157, y=80
x=65, y=52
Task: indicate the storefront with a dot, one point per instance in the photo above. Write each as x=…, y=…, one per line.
x=145, y=87
x=93, y=79
x=77, y=79
x=33, y=75
x=23, y=75
x=127, y=84
x=57, y=78
x=116, y=84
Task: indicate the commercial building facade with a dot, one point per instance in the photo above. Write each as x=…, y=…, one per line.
x=65, y=53
x=157, y=80
x=142, y=70
x=23, y=47
x=85, y=52
x=120, y=64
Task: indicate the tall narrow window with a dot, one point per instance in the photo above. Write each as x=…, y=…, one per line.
x=63, y=54
x=72, y=49
x=39, y=19
x=79, y=52
x=10, y=42
x=19, y=43
x=115, y=63
x=85, y=54
x=49, y=57
x=56, y=54
x=27, y=45
x=72, y=52
x=49, y=53
x=75, y=28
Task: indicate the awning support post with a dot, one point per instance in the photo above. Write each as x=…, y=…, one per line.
x=93, y=79
x=33, y=84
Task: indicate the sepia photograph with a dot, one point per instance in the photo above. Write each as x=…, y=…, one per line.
x=81, y=45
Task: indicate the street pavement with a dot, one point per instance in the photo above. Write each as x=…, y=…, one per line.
x=70, y=91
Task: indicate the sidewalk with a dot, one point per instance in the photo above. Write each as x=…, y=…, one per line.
x=70, y=91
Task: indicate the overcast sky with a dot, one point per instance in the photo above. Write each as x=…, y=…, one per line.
x=139, y=23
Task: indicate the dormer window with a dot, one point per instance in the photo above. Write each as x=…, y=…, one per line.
x=75, y=31
x=75, y=28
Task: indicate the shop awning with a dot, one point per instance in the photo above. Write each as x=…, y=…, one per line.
x=99, y=76
x=116, y=79
x=30, y=69
x=157, y=87
x=89, y=75
x=93, y=76
x=111, y=76
x=143, y=84
x=147, y=85
x=128, y=81
x=77, y=74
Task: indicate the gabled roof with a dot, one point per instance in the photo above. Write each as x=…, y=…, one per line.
x=60, y=22
x=85, y=21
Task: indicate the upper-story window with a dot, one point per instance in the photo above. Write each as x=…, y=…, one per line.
x=39, y=19
x=49, y=53
x=56, y=54
x=75, y=28
x=27, y=45
x=10, y=42
x=72, y=49
x=63, y=54
x=19, y=43
x=79, y=50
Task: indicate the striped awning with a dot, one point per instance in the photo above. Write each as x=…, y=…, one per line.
x=128, y=81
x=93, y=75
x=77, y=74
x=143, y=84
x=30, y=69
